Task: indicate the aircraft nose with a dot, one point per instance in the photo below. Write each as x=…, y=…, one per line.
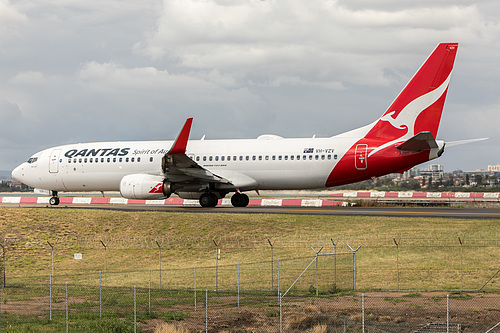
x=18, y=173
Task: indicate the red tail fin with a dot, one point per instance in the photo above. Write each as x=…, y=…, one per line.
x=419, y=106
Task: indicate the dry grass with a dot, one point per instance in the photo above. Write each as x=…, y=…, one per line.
x=171, y=328
x=429, y=251
x=319, y=329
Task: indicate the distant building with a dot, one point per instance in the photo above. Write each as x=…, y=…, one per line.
x=494, y=168
x=434, y=170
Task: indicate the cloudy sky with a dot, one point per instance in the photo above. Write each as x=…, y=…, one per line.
x=96, y=70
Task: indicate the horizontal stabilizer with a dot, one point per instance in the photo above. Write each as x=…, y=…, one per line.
x=462, y=142
x=421, y=141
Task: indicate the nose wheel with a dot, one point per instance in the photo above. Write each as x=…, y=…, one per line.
x=54, y=200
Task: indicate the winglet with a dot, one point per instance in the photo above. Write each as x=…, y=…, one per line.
x=179, y=146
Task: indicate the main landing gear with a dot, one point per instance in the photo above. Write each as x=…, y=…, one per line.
x=240, y=200
x=54, y=200
x=210, y=199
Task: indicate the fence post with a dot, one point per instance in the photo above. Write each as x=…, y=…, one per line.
x=135, y=310
x=100, y=294
x=206, y=310
x=50, y=299
x=149, y=293
x=397, y=261
x=363, y=312
x=194, y=288
x=461, y=240
x=278, y=277
x=281, y=314
x=67, y=309
x=159, y=252
x=105, y=263
x=238, y=284
x=272, y=263
x=52, y=251
x=317, y=267
x=334, y=263
x=216, y=263
x=354, y=264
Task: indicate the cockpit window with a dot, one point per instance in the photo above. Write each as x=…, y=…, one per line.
x=32, y=160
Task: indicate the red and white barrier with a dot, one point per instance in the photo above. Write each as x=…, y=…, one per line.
x=418, y=195
x=171, y=201
x=263, y=202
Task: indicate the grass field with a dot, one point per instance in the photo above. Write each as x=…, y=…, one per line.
x=429, y=249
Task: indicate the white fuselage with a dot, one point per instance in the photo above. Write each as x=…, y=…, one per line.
x=265, y=163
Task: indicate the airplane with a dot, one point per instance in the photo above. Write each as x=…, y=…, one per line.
x=208, y=170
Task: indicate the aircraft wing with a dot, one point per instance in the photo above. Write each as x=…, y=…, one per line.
x=178, y=167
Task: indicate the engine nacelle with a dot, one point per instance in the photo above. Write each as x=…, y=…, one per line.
x=142, y=186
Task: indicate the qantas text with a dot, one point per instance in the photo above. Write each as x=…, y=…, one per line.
x=97, y=152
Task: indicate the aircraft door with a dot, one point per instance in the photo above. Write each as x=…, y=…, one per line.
x=361, y=156
x=54, y=161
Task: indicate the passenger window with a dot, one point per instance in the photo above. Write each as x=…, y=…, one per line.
x=210, y=158
x=216, y=158
x=267, y=157
x=322, y=157
x=102, y=160
x=80, y=160
x=279, y=157
x=291, y=157
x=247, y=158
x=310, y=157
x=197, y=158
x=204, y=158
x=69, y=161
x=138, y=159
x=241, y=158
x=126, y=159
x=131, y=159
x=253, y=158
x=151, y=159
x=114, y=159
x=121, y=159
x=286, y=157
x=335, y=156
x=316, y=157
x=274, y=157
x=329, y=157
x=298, y=157
x=90, y=160
x=222, y=158
x=260, y=157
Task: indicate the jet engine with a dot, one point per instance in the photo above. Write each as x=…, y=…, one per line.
x=143, y=186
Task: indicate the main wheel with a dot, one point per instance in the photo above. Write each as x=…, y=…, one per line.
x=54, y=201
x=208, y=200
x=240, y=200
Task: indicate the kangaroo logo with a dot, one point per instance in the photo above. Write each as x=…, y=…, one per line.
x=407, y=118
x=157, y=188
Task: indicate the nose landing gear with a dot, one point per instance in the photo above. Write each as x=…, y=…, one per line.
x=54, y=200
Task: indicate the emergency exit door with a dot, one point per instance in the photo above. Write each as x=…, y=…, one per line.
x=361, y=156
x=54, y=161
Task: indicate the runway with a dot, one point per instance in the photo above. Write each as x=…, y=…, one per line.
x=444, y=212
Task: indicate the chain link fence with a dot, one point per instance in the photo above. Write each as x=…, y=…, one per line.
x=301, y=284
x=74, y=308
